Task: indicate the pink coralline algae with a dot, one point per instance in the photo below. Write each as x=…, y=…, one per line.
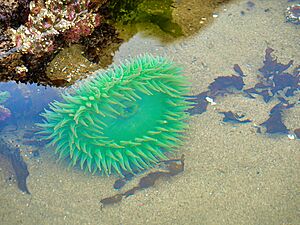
x=71, y=19
x=4, y=113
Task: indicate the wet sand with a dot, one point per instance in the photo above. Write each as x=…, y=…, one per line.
x=233, y=175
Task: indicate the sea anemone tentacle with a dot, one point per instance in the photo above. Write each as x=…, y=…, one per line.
x=127, y=118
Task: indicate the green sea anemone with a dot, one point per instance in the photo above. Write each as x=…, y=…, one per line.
x=124, y=119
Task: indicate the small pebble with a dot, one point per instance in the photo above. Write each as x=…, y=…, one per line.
x=210, y=100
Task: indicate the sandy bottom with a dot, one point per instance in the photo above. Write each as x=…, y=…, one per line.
x=233, y=175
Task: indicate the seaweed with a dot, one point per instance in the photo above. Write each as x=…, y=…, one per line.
x=173, y=167
x=297, y=132
x=19, y=166
x=220, y=86
x=238, y=70
x=112, y=200
x=122, y=181
x=274, y=83
x=274, y=124
x=274, y=79
x=200, y=105
x=231, y=117
x=224, y=84
x=271, y=67
x=264, y=93
x=21, y=170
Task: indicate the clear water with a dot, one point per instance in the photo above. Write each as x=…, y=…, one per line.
x=233, y=174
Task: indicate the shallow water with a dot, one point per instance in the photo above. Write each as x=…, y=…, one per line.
x=233, y=174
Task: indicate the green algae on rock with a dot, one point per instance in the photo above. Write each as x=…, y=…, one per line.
x=165, y=19
x=124, y=119
x=157, y=12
